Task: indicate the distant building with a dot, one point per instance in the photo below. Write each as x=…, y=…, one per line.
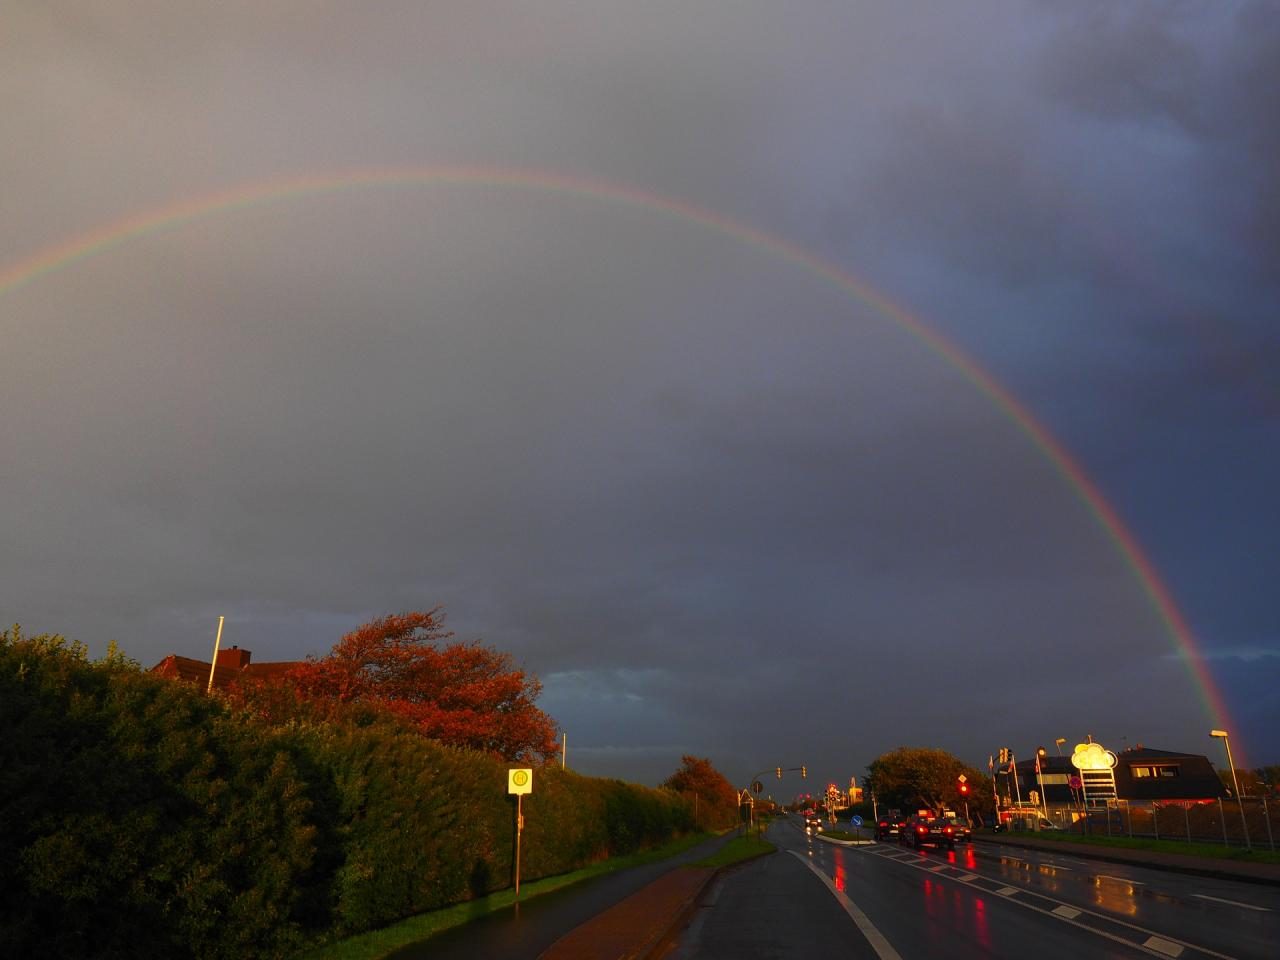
x=233, y=665
x=1141, y=774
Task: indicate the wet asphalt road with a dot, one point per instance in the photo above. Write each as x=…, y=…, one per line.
x=979, y=901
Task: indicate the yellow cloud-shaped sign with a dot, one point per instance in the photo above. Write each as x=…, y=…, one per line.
x=1092, y=756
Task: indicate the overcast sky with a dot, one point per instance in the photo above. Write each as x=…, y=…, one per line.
x=718, y=503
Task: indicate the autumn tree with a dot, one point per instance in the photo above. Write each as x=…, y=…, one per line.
x=716, y=799
x=462, y=694
x=914, y=777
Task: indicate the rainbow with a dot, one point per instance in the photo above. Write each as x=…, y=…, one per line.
x=120, y=232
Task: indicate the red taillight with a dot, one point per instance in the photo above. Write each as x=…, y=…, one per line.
x=948, y=830
x=922, y=829
x=884, y=823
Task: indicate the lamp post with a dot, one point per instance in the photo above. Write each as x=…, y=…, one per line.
x=1222, y=734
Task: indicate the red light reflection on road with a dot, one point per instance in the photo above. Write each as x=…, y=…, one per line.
x=839, y=877
x=980, y=929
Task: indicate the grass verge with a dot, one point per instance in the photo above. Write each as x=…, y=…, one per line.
x=737, y=850
x=1206, y=850
x=376, y=944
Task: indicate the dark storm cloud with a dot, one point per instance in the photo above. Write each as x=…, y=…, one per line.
x=716, y=502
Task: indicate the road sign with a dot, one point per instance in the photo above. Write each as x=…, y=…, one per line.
x=757, y=787
x=856, y=820
x=962, y=778
x=520, y=781
x=1075, y=782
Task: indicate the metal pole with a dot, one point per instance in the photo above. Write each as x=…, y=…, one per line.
x=519, y=830
x=213, y=666
x=1240, y=800
x=564, y=749
x=1128, y=815
x=1186, y=812
x=1109, y=816
x=1222, y=817
x=1155, y=820
x=1266, y=818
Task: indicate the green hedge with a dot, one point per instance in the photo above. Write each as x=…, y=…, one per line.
x=140, y=817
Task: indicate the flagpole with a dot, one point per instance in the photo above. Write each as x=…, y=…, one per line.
x=213, y=666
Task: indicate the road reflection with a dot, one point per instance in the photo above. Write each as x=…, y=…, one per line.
x=1115, y=895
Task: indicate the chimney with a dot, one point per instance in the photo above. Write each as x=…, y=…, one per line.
x=234, y=657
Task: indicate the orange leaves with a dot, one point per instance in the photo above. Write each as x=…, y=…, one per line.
x=462, y=694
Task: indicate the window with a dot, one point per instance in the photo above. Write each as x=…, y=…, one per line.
x=1155, y=770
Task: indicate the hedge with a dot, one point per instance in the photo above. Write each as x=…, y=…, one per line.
x=140, y=817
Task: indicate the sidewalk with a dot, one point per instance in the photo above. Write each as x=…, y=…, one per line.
x=1220, y=869
x=640, y=926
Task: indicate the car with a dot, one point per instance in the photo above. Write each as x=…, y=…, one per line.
x=922, y=830
x=812, y=823
x=889, y=826
x=962, y=830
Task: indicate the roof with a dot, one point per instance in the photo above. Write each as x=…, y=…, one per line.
x=193, y=671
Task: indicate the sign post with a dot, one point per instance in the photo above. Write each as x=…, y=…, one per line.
x=519, y=782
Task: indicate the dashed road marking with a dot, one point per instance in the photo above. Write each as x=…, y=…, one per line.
x=1163, y=946
x=1107, y=876
x=1069, y=913
x=967, y=877
x=1008, y=891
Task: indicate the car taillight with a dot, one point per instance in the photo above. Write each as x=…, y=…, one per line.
x=922, y=829
x=883, y=823
x=948, y=830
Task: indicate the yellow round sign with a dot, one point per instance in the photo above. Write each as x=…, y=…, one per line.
x=520, y=778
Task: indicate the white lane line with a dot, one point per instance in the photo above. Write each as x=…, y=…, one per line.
x=1064, y=911
x=1107, y=876
x=1234, y=903
x=1008, y=891
x=884, y=950
x=1163, y=946
x=1057, y=866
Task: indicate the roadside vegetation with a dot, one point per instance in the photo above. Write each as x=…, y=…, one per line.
x=746, y=847
x=141, y=817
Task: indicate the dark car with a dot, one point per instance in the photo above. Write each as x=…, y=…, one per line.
x=962, y=831
x=922, y=830
x=889, y=826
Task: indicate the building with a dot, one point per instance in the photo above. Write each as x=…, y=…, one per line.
x=234, y=664
x=1138, y=774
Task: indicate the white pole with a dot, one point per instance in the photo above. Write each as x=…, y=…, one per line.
x=564, y=749
x=213, y=666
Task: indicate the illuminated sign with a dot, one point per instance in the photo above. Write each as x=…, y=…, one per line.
x=1092, y=756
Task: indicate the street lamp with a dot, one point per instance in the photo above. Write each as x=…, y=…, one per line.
x=1222, y=734
x=1058, y=743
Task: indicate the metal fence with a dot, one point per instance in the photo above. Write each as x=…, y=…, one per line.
x=1249, y=821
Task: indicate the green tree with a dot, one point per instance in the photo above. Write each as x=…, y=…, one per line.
x=916, y=777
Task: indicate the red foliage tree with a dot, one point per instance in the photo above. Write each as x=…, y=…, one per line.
x=716, y=798
x=463, y=694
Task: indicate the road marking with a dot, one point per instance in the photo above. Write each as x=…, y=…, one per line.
x=936, y=867
x=966, y=877
x=1067, y=914
x=1234, y=903
x=1057, y=866
x=884, y=950
x=1107, y=876
x=1163, y=946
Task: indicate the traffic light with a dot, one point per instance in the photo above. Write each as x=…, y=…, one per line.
x=779, y=771
x=964, y=789
x=1004, y=755
x=804, y=771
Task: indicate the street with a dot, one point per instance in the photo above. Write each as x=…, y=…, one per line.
x=885, y=901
